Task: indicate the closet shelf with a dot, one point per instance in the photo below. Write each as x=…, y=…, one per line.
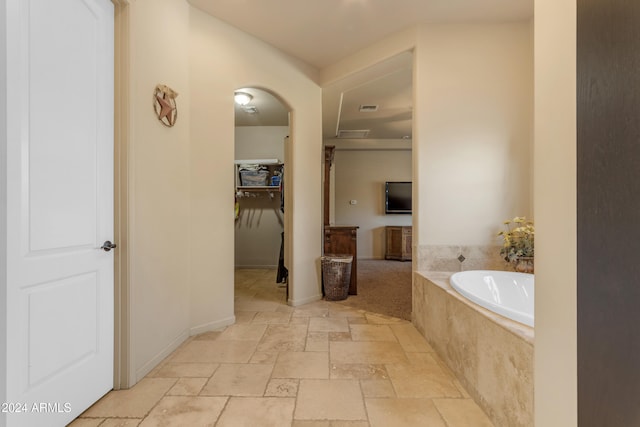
x=259, y=187
x=268, y=171
x=258, y=162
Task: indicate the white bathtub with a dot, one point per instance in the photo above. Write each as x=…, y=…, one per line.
x=507, y=293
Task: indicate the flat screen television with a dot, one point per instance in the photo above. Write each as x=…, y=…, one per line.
x=397, y=197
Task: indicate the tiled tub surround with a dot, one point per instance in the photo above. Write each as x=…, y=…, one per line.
x=459, y=258
x=491, y=355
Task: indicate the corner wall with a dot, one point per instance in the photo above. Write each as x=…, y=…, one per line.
x=181, y=230
x=223, y=59
x=472, y=132
x=555, y=209
x=159, y=185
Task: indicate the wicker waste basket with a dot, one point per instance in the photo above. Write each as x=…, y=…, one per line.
x=336, y=276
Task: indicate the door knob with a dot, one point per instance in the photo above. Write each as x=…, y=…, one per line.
x=107, y=246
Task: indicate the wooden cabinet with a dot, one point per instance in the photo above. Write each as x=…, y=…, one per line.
x=342, y=240
x=398, y=244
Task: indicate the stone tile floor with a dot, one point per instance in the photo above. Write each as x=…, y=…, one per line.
x=323, y=364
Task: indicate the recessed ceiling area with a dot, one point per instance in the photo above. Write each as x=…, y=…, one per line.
x=387, y=85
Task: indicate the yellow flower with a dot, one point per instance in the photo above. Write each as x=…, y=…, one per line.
x=517, y=241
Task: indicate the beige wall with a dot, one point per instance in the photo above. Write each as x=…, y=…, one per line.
x=181, y=235
x=555, y=211
x=472, y=138
x=260, y=142
x=360, y=175
x=258, y=228
x=258, y=231
x=223, y=59
x=472, y=131
x=159, y=185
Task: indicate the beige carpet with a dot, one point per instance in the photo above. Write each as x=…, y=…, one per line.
x=383, y=287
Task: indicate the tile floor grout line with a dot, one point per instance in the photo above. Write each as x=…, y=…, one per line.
x=364, y=402
x=158, y=402
x=226, y=403
x=440, y=413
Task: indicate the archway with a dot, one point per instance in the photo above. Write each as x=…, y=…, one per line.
x=260, y=148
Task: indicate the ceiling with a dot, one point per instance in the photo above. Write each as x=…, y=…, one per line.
x=322, y=32
x=387, y=85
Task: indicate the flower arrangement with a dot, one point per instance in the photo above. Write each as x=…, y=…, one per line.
x=517, y=239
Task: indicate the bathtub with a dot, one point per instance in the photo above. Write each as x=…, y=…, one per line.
x=506, y=293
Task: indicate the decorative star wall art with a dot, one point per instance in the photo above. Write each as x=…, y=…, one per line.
x=164, y=104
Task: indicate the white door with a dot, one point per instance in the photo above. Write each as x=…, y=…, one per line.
x=59, y=324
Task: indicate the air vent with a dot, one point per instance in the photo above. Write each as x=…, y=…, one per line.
x=353, y=133
x=368, y=108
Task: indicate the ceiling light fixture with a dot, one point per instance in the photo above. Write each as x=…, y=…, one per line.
x=250, y=109
x=242, y=98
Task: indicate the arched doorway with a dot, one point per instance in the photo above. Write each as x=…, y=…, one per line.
x=261, y=136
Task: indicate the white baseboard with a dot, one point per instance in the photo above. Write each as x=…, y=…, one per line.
x=212, y=326
x=175, y=343
x=170, y=348
x=296, y=303
x=256, y=267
